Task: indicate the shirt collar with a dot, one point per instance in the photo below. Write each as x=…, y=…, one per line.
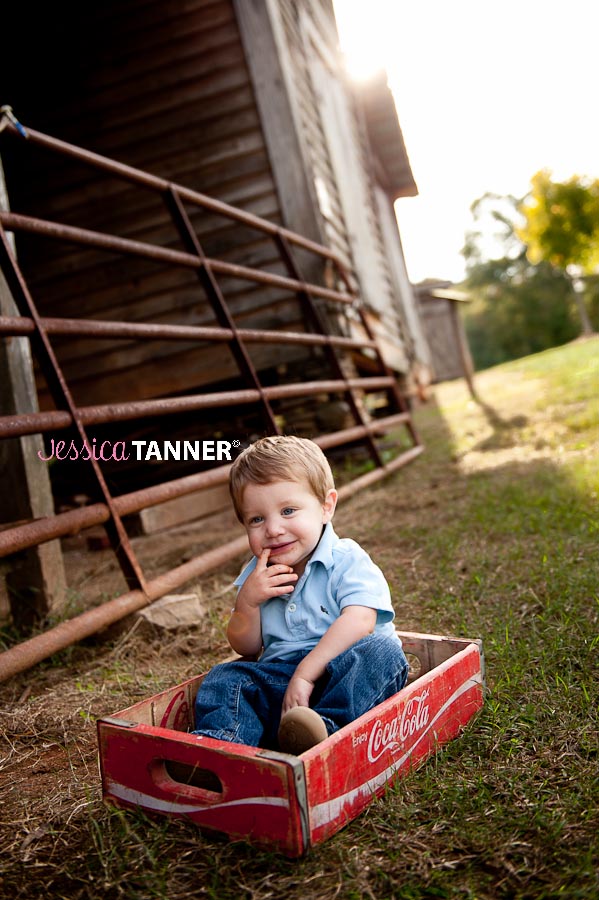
x=323, y=551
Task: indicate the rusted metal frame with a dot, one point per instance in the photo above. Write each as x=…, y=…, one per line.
x=394, y=393
x=34, y=423
x=28, y=653
x=62, y=398
x=313, y=314
x=160, y=185
x=219, y=304
x=40, y=530
x=15, y=326
x=363, y=481
x=102, y=241
x=347, y=435
x=23, y=655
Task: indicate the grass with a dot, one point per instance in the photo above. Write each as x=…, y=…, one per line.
x=493, y=532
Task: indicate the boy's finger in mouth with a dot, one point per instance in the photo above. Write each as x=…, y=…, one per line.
x=280, y=548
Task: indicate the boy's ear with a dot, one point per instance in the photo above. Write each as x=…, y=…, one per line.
x=328, y=507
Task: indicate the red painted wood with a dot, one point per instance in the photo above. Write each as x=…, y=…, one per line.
x=356, y=764
x=258, y=799
x=262, y=797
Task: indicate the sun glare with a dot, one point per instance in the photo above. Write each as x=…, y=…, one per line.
x=473, y=122
x=362, y=67
x=360, y=44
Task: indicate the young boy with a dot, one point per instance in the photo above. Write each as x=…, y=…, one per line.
x=315, y=606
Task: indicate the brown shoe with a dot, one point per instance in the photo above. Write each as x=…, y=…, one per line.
x=300, y=729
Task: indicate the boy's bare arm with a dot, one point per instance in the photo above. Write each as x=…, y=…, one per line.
x=354, y=623
x=244, y=632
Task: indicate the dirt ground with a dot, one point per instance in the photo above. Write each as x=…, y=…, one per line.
x=49, y=781
x=49, y=770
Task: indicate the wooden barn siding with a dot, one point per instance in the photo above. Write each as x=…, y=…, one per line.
x=313, y=133
x=165, y=89
x=389, y=323
x=387, y=303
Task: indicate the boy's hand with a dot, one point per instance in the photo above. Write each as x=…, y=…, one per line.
x=298, y=693
x=266, y=581
x=354, y=623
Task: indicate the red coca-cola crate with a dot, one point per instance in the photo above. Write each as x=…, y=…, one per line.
x=149, y=760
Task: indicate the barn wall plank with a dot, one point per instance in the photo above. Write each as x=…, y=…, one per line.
x=162, y=87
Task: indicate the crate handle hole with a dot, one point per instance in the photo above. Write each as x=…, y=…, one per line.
x=183, y=773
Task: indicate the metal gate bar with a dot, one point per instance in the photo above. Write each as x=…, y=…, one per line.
x=100, y=328
x=218, y=302
x=34, y=423
x=161, y=186
x=37, y=531
x=111, y=509
x=102, y=241
x=62, y=397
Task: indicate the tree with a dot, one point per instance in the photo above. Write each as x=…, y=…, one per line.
x=561, y=227
x=495, y=236
x=517, y=307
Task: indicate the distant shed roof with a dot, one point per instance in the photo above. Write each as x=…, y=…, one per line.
x=386, y=138
x=444, y=294
x=440, y=290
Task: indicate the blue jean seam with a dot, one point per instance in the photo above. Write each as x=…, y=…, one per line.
x=238, y=688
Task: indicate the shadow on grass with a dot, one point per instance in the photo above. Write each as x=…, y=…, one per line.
x=505, y=552
x=505, y=431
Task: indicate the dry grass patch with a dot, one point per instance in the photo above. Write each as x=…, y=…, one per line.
x=491, y=533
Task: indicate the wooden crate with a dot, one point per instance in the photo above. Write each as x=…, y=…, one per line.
x=149, y=760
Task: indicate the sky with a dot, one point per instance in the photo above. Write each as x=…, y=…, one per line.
x=487, y=92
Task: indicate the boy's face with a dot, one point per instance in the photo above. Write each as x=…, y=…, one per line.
x=286, y=517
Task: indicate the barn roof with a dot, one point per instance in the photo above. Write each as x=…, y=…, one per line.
x=385, y=135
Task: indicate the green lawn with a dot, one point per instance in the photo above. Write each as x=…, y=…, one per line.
x=493, y=532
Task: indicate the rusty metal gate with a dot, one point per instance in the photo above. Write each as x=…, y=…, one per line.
x=109, y=509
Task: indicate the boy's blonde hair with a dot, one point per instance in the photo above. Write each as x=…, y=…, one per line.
x=280, y=458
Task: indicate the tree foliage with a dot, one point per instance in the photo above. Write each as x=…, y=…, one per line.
x=561, y=227
x=561, y=223
x=518, y=307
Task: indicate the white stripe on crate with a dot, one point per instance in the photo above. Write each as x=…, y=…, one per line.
x=328, y=811
x=169, y=806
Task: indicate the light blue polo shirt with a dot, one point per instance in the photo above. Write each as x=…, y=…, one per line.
x=338, y=574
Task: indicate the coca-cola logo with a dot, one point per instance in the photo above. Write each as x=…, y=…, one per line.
x=391, y=735
x=176, y=714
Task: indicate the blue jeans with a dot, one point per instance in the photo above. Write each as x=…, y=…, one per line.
x=241, y=701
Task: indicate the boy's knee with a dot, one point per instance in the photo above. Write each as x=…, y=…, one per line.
x=374, y=653
x=378, y=645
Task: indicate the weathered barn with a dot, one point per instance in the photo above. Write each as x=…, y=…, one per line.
x=245, y=103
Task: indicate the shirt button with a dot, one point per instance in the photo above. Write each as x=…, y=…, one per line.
x=292, y=607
